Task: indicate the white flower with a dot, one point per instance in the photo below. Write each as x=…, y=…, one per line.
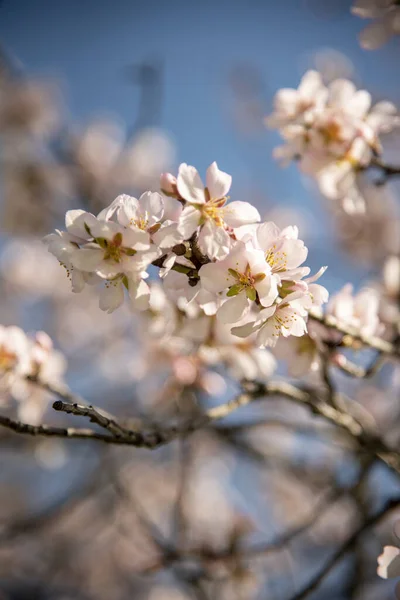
x=206, y=207
x=283, y=251
x=333, y=137
x=245, y=276
x=359, y=311
x=283, y=319
x=387, y=15
x=62, y=245
x=293, y=105
x=112, y=294
x=14, y=351
x=299, y=353
x=114, y=250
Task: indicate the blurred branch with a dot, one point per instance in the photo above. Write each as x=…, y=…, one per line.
x=387, y=171
x=344, y=548
x=368, y=440
x=371, y=341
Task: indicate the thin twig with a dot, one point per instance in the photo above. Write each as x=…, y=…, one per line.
x=367, y=340
x=344, y=548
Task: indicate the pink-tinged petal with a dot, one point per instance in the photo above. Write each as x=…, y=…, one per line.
x=87, y=259
x=239, y=213
x=319, y=294
x=360, y=104
x=376, y=34
x=107, y=213
x=369, y=9
x=389, y=563
x=190, y=186
x=111, y=296
x=214, y=241
x=151, y=207
x=267, y=335
x=77, y=222
x=247, y=234
x=234, y=309
x=77, y=281
x=128, y=210
x=341, y=92
x=188, y=221
x=218, y=182
x=317, y=275
x=267, y=290
x=139, y=294
x=267, y=235
x=244, y=331
x=136, y=239
x=215, y=277
x=167, y=236
x=105, y=229
x=310, y=84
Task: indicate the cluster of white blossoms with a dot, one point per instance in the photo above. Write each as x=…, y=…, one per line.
x=333, y=132
x=210, y=252
x=386, y=21
x=359, y=311
x=23, y=357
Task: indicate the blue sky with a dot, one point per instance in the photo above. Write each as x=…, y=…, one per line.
x=88, y=44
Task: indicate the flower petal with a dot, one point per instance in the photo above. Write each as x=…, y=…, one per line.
x=233, y=309
x=218, y=182
x=188, y=221
x=239, y=213
x=190, y=186
x=111, y=296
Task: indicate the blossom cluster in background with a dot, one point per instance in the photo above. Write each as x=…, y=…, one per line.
x=23, y=357
x=333, y=132
x=385, y=16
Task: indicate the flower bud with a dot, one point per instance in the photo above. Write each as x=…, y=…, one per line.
x=168, y=184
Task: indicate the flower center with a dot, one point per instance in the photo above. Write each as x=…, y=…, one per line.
x=113, y=250
x=277, y=260
x=7, y=359
x=245, y=281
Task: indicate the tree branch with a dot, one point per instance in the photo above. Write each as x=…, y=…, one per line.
x=371, y=341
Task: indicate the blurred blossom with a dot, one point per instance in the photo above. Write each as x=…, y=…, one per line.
x=333, y=64
x=28, y=108
x=21, y=357
x=332, y=132
x=30, y=190
x=370, y=236
x=391, y=275
x=51, y=454
x=149, y=153
x=386, y=21
x=359, y=311
x=27, y=266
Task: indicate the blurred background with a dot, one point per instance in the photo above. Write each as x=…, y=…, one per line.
x=99, y=98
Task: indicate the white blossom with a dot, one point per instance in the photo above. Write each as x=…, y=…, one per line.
x=386, y=15
x=332, y=136
x=206, y=207
x=360, y=311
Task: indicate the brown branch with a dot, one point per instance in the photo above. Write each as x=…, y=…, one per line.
x=387, y=171
x=368, y=440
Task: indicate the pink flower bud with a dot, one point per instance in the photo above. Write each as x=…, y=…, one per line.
x=168, y=183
